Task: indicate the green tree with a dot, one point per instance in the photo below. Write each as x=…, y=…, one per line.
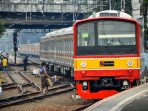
x=128, y=7
x=2, y=29
x=145, y=2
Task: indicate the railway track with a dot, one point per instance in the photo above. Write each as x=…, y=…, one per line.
x=22, y=82
x=28, y=97
x=8, y=86
x=19, y=85
x=27, y=90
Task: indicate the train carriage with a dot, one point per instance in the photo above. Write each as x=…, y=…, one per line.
x=31, y=50
x=108, y=54
x=57, y=50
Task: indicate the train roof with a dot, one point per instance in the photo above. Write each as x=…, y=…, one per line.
x=114, y=13
x=62, y=31
x=29, y=44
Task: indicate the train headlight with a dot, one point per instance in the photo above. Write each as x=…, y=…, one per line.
x=125, y=84
x=83, y=64
x=85, y=85
x=130, y=63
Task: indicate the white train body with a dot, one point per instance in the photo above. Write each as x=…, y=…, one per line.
x=56, y=48
x=31, y=49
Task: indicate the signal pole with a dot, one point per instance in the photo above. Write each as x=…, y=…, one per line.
x=15, y=45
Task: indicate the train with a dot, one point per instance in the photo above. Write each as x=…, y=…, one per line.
x=58, y=51
x=31, y=50
x=104, y=53
x=108, y=54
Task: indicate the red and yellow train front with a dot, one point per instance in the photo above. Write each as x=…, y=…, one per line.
x=106, y=56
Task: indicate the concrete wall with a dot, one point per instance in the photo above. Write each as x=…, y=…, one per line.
x=136, y=8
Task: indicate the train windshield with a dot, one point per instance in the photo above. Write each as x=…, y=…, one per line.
x=106, y=37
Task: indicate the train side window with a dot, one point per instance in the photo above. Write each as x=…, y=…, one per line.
x=49, y=45
x=62, y=46
x=68, y=46
x=59, y=46
x=72, y=45
x=52, y=45
x=56, y=46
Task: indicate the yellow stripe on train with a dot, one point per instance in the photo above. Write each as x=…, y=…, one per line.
x=107, y=63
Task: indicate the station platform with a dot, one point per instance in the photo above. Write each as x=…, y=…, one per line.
x=135, y=99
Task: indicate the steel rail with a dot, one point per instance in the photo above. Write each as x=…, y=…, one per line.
x=35, y=85
x=21, y=86
x=11, y=86
x=18, y=85
x=7, y=85
x=34, y=96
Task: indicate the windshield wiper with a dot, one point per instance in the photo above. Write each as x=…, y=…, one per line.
x=121, y=43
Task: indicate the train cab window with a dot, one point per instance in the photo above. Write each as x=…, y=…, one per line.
x=119, y=35
x=104, y=36
x=71, y=46
x=109, y=36
x=86, y=35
